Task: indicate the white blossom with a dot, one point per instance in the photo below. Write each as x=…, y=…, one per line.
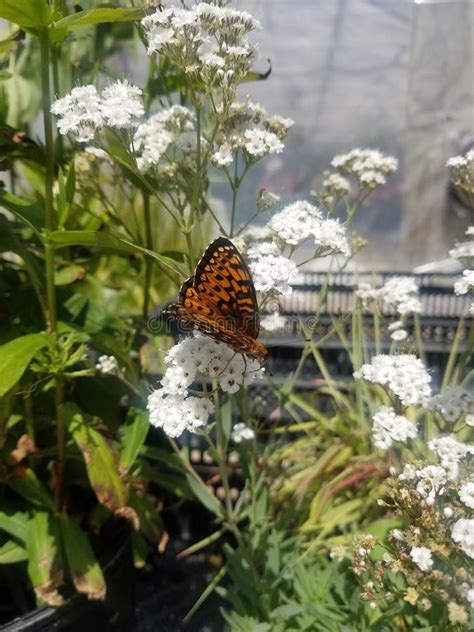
x=463, y=534
x=389, y=427
x=107, y=364
x=197, y=357
x=464, y=283
x=466, y=494
x=462, y=250
x=273, y=322
x=334, y=183
x=422, y=557
x=259, y=143
x=241, y=433
x=121, y=104
x=450, y=453
x=431, y=482
x=223, y=156
x=79, y=113
x=370, y=166
x=448, y=512
x=403, y=374
x=401, y=293
x=408, y=473
x=301, y=220
x=399, y=334
x=452, y=403
x=470, y=596
x=469, y=419
x=271, y=271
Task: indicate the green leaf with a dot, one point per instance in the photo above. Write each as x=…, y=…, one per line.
x=100, y=458
x=133, y=437
x=29, y=13
x=69, y=274
x=12, y=552
x=15, y=524
x=62, y=239
x=26, y=212
x=226, y=419
x=140, y=549
x=99, y=16
x=85, y=570
x=204, y=495
x=30, y=487
x=15, y=357
x=44, y=561
x=151, y=524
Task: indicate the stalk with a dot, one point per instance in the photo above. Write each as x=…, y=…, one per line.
x=222, y=459
x=50, y=224
x=149, y=246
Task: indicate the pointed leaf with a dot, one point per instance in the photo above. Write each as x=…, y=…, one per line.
x=15, y=357
x=85, y=570
x=15, y=524
x=44, y=561
x=99, y=16
x=12, y=552
x=100, y=458
x=30, y=487
x=133, y=437
x=30, y=13
x=204, y=495
x=150, y=521
x=105, y=241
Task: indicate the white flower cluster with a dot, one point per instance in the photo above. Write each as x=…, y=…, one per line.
x=450, y=453
x=464, y=249
x=400, y=293
x=171, y=407
x=389, y=427
x=452, y=403
x=431, y=480
x=405, y=375
x=107, y=365
x=271, y=271
x=153, y=137
x=301, y=220
x=335, y=184
x=83, y=112
x=370, y=166
x=273, y=322
x=465, y=283
x=207, y=39
x=463, y=534
x=422, y=557
x=241, y=433
x=466, y=494
x=247, y=126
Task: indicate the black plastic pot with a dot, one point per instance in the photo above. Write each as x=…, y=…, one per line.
x=114, y=614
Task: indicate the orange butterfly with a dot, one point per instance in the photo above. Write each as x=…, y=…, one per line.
x=220, y=300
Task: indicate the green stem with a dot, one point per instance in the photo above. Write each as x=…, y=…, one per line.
x=50, y=222
x=149, y=246
x=220, y=445
x=235, y=188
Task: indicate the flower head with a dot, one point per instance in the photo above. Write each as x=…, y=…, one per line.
x=79, y=113
x=389, y=427
x=463, y=534
x=271, y=271
x=107, y=364
x=450, y=452
x=405, y=375
x=241, y=433
x=422, y=556
x=466, y=494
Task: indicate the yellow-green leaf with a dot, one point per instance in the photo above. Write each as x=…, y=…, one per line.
x=44, y=558
x=15, y=357
x=85, y=570
x=29, y=13
x=133, y=437
x=100, y=458
x=12, y=552
x=99, y=16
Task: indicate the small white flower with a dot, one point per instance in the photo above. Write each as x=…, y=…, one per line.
x=401, y=293
x=107, y=365
x=399, y=335
x=370, y=166
x=396, y=534
x=121, y=104
x=469, y=419
x=422, y=557
x=448, y=512
x=450, y=452
x=462, y=533
x=241, y=432
x=273, y=322
x=452, y=403
x=466, y=494
x=431, y=482
x=259, y=143
x=470, y=596
x=79, y=113
x=408, y=473
x=403, y=374
x=334, y=183
x=389, y=427
x=270, y=270
x=465, y=283
x=462, y=250
x=223, y=156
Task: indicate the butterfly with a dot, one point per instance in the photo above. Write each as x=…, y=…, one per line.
x=220, y=300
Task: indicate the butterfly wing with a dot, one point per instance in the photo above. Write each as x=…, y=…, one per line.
x=222, y=290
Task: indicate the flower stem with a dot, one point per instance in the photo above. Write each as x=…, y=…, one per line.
x=50, y=224
x=149, y=246
x=220, y=444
